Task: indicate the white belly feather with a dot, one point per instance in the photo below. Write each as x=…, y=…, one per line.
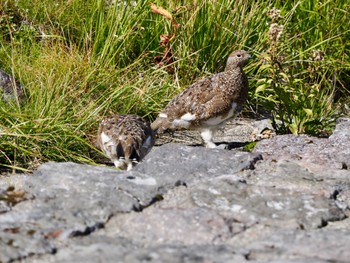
x=219, y=119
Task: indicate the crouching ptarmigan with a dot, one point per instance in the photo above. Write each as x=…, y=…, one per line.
x=125, y=139
x=207, y=104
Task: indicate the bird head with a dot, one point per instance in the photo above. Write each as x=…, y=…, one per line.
x=238, y=58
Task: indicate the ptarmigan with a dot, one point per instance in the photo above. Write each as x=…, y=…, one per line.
x=207, y=104
x=125, y=139
x=10, y=87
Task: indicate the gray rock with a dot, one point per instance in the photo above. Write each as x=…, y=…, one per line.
x=269, y=244
x=243, y=130
x=119, y=250
x=10, y=88
x=288, y=201
x=331, y=153
x=92, y=249
x=174, y=163
x=251, y=204
x=16, y=243
x=179, y=254
x=67, y=200
x=235, y=133
x=195, y=226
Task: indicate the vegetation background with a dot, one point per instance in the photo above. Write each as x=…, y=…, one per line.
x=80, y=60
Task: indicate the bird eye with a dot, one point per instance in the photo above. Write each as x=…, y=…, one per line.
x=238, y=55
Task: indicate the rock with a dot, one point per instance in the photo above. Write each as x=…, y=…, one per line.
x=243, y=130
x=288, y=201
x=10, y=88
x=312, y=152
x=192, y=226
x=120, y=250
x=342, y=132
x=236, y=133
x=175, y=163
x=251, y=204
x=270, y=244
x=67, y=200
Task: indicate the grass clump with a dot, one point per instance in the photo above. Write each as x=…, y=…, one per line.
x=298, y=74
x=81, y=60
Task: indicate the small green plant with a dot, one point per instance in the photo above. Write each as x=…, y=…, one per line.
x=14, y=24
x=295, y=85
x=250, y=146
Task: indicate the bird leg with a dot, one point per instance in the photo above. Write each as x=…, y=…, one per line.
x=207, y=136
x=121, y=164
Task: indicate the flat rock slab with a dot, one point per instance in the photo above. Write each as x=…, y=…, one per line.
x=64, y=200
x=288, y=201
x=235, y=133
x=333, y=153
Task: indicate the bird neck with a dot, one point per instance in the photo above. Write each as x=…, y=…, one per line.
x=233, y=70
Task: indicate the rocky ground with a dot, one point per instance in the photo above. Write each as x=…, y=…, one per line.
x=287, y=201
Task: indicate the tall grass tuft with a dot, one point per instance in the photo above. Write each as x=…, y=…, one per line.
x=81, y=60
x=298, y=75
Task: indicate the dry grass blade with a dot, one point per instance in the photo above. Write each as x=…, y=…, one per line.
x=161, y=11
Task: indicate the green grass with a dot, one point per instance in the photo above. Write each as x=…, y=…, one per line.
x=81, y=60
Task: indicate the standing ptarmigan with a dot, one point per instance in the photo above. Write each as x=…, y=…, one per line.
x=207, y=104
x=125, y=139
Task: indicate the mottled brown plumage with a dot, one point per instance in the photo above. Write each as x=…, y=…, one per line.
x=209, y=103
x=125, y=139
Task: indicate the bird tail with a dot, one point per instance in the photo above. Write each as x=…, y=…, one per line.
x=160, y=125
x=155, y=126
